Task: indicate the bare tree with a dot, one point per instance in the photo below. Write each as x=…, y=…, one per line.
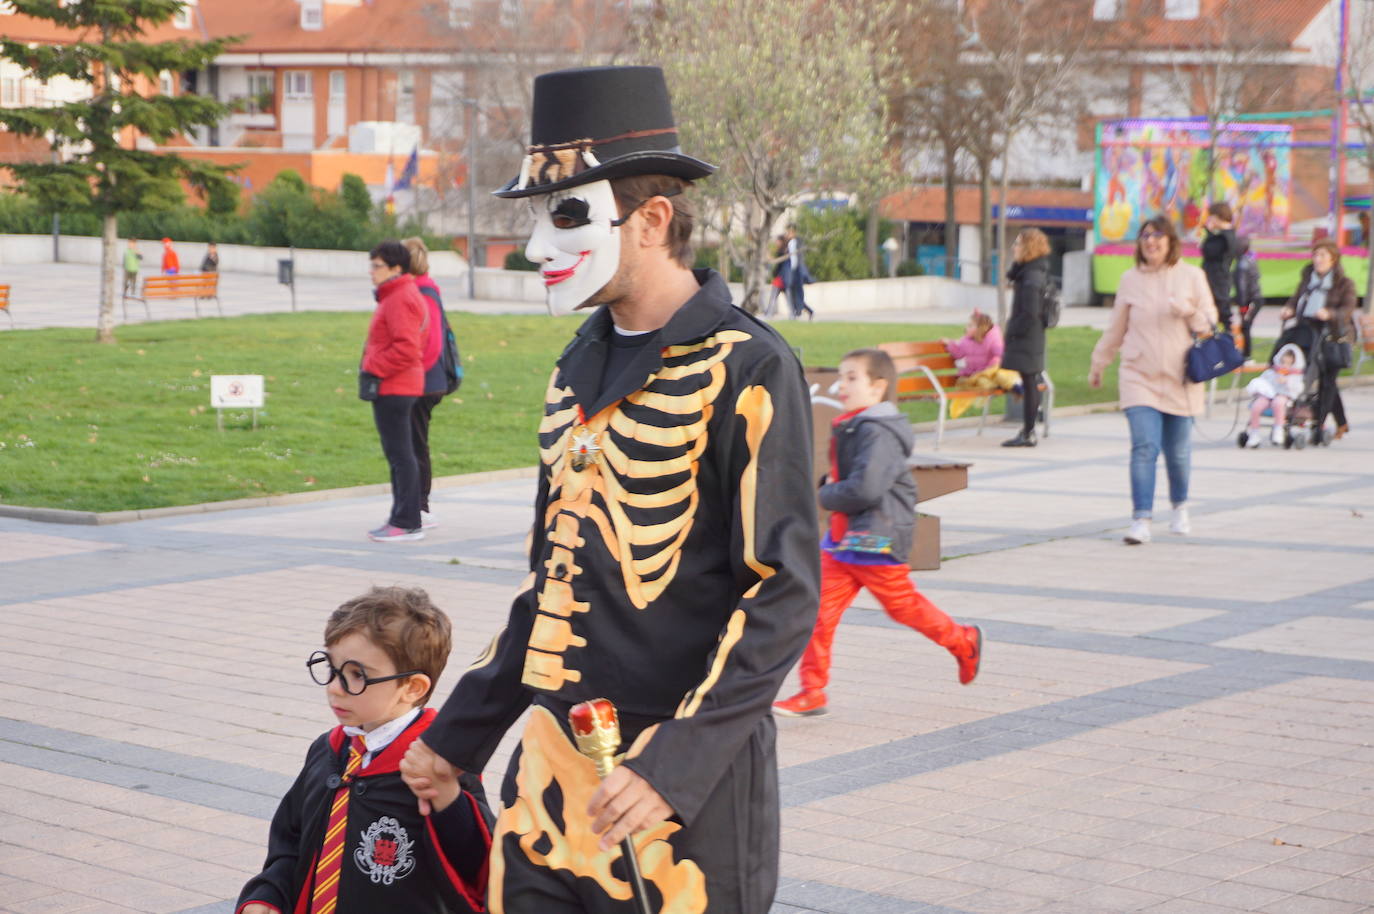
x=1228, y=67
x=503, y=46
x=783, y=96
x=1030, y=56
x=1358, y=79
x=932, y=100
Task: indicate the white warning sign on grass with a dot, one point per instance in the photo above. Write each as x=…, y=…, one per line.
x=241, y=391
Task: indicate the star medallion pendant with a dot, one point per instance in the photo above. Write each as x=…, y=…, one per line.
x=583, y=450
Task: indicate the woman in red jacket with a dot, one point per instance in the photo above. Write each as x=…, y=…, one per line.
x=395, y=342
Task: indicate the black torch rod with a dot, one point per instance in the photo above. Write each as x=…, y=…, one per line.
x=627, y=852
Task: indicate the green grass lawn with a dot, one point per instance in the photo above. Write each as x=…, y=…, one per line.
x=106, y=428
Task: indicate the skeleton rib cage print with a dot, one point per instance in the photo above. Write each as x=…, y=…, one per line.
x=629, y=477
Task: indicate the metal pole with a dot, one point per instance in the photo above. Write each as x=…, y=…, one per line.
x=1336, y=174
x=471, y=104
x=56, y=216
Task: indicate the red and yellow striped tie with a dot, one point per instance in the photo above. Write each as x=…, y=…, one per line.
x=331, y=849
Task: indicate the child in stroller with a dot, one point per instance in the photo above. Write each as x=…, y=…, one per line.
x=1277, y=389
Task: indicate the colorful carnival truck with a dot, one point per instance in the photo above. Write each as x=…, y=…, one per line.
x=1147, y=167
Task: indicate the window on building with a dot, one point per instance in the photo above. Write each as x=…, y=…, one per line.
x=165, y=83
x=510, y=13
x=459, y=13
x=9, y=91
x=1181, y=9
x=297, y=83
x=182, y=17
x=337, y=86
x=446, y=115
x=262, y=91
x=312, y=15
x=6, y=8
x=1107, y=9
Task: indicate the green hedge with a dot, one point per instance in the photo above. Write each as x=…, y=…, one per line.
x=286, y=213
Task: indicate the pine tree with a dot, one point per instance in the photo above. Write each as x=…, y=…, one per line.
x=104, y=172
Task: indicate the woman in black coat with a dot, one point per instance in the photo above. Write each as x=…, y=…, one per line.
x=1025, y=331
x=1324, y=303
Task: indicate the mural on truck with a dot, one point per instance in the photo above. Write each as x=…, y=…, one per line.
x=1147, y=167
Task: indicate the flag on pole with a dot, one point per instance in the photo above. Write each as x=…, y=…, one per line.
x=411, y=171
x=390, y=183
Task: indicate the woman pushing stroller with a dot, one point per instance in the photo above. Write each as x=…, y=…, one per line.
x=1323, y=305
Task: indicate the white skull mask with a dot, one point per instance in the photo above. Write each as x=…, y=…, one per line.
x=576, y=243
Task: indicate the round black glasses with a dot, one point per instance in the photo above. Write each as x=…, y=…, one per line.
x=351, y=673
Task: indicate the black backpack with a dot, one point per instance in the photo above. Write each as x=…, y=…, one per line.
x=446, y=374
x=1051, y=302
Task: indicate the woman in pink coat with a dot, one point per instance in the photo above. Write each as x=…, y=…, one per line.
x=1160, y=304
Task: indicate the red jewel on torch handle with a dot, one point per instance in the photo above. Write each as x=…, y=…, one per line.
x=596, y=728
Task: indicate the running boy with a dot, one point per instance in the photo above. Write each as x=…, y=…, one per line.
x=873, y=497
x=348, y=836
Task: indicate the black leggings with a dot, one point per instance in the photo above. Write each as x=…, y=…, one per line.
x=1030, y=400
x=419, y=436
x=392, y=416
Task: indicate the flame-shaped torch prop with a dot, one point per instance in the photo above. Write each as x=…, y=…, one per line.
x=596, y=727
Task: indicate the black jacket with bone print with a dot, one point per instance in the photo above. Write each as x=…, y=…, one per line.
x=674, y=563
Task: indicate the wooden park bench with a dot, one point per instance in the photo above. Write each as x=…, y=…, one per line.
x=5, y=304
x=195, y=286
x=926, y=371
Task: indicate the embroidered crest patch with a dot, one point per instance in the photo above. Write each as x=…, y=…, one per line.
x=385, y=853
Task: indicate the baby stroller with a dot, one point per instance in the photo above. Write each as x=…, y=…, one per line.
x=1300, y=424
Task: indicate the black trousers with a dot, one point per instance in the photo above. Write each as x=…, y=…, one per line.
x=392, y=416
x=544, y=859
x=419, y=436
x=1030, y=403
x=796, y=297
x=1329, y=397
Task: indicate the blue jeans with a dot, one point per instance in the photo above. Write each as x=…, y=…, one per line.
x=1151, y=432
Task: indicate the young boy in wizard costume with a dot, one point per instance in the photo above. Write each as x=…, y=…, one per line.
x=347, y=837
x=673, y=560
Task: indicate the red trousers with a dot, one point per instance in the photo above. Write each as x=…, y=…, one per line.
x=891, y=584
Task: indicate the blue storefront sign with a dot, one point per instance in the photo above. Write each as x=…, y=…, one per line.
x=1046, y=213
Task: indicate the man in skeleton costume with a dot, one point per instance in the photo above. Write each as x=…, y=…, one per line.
x=674, y=557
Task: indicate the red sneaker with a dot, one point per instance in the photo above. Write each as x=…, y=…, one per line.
x=968, y=665
x=803, y=704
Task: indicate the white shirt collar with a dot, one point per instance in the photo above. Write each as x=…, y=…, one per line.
x=380, y=737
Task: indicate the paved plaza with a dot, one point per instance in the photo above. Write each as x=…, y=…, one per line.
x=1183, y=727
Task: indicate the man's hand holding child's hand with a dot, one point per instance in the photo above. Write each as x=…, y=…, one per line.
x=430, y=777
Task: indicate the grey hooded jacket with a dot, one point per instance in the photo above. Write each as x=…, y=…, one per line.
x=876, y=489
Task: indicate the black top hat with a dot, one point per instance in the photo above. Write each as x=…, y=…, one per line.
x=599, y=123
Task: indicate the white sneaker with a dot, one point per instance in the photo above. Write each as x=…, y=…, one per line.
x=428, y=521
x=1253, y=438
x=1278, y=436
x=1139, y=532
x=1179, y=523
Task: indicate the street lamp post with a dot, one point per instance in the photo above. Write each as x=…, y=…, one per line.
x=471, y=105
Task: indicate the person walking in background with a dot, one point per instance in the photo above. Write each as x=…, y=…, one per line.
x=1249, y=298
x=1025, y=336
x=873, y=496
x=210, y=262
x=132, y=261
x=1160, y=303
x=1324, y=304
x=395, y=346
x=436, y=385
x=171, y=265
x=796, y=276
x=1218, y=256
x=775, y=287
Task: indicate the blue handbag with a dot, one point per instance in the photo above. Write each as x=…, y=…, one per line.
x=1211, y=357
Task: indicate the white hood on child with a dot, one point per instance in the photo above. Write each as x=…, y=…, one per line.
x=1299, y=360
